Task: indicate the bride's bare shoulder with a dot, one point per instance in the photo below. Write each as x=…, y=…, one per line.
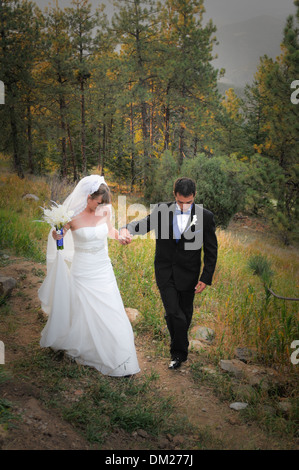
x=77, y=221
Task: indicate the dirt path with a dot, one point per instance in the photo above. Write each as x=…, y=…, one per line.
x=42, y=428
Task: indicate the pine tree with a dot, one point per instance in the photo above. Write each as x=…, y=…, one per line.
x=82, y=22
x=55, y=74
x=104, y=95
x=186, y=74
x=19, y=32
x=233, y=133
x=277, y=138
x=134, y=25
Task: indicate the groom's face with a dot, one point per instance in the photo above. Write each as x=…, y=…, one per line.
x=184, y=202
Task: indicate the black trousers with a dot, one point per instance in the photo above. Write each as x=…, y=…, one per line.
x=178, y=307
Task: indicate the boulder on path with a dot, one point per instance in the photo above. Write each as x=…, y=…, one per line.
x=238, y=405
x=7, y=284
x=132, y=313
x=255, y=375
x=197, y=345
x=234, y=366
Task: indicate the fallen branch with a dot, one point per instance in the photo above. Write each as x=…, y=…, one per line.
x=279, y=296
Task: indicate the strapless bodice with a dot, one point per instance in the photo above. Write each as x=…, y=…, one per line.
x=90, y=239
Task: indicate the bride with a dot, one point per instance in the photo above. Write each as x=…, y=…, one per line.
x=86, y=315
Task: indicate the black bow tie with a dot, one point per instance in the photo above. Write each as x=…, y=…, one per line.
x=179, y=212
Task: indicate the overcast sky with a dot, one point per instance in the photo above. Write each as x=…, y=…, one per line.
x=221, y=11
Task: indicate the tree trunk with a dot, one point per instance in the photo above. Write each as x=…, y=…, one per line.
x=83, y=135
x=182, y=131
x=100, y=166
x=151, y=124
x=145, y=136
x=104, y=146
x=63, y=139
x=167, y=127
x=15, y=135
x=16, y=155
x=132, y=147
x=167, y=121
x=195, y=146
x=181, y=144
x=29, y=137
x=73, y=159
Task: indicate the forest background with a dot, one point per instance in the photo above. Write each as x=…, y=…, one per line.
x=136, y=98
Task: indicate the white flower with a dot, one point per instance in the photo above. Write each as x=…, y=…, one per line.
x=194, y=220
x=58, y=215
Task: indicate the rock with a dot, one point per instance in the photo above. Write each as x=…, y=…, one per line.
x=209, y=370
x=203, y=333
x=7, y=284
x=233, y=420
x=132, y=313
x=163, y=443
x=178, y=440
x=244, y=354
x=238, y=405
x=234, y=366
x=197, y=345
x=285, y=407
x=31, y=196
x=142, y=433
x=255, y=375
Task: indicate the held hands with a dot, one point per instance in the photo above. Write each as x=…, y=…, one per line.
x=200, y=287
x=124, y=236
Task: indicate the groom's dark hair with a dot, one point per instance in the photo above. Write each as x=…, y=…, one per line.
x=184, y=186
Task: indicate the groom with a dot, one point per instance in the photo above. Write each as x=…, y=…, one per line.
x=182, y=229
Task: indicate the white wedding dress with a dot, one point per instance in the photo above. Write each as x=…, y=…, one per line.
x=87, y=318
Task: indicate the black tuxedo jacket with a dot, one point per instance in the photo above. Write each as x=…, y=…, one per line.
x=181, y=261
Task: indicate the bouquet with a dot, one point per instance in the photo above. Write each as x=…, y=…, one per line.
x=57, y=216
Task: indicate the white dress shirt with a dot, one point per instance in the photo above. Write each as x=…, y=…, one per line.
x=182, y=219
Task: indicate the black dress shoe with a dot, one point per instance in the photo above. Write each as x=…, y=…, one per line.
x=175, y=363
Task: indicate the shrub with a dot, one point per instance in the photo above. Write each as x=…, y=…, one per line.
x=219, y=184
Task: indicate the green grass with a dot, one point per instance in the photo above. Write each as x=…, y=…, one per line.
x=7, y=416
x=103, y=404
x=236, y=306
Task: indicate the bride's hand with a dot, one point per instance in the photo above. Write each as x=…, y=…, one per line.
x=56, y=236
x=124, y=237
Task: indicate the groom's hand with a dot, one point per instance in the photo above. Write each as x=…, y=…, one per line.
x=200, y=287
x=124, y=236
